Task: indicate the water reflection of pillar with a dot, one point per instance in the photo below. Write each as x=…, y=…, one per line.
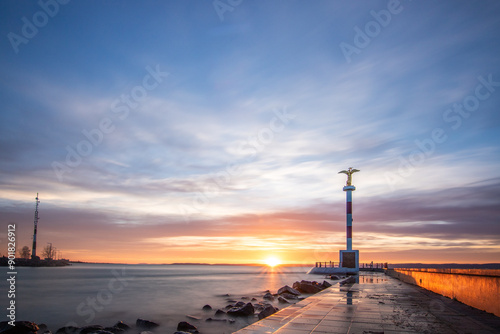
x=349, y=298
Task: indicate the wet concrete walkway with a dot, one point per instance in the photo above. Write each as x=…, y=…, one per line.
x=376, y=303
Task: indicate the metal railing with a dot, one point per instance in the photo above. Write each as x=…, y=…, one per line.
x=371, y=265
x=329, y=264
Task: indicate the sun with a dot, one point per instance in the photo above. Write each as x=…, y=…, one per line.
x=272, y=261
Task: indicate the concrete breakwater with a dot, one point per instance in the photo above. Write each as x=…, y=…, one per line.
x=479, y=288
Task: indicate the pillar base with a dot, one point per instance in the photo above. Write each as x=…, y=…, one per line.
x=346, y=188
x=349, y=259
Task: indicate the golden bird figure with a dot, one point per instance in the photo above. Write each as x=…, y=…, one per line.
x=349, y=173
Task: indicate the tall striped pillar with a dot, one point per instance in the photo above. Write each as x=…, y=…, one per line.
x=349, y=190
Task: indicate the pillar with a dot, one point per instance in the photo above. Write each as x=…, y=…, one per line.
x=349, y=190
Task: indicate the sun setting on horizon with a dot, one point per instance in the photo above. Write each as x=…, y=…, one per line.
x=272, y=261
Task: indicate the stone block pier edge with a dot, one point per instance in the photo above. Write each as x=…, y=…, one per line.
x=376, y=303
x=479, y=288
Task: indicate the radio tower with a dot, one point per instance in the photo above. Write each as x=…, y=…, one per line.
x=33, y=252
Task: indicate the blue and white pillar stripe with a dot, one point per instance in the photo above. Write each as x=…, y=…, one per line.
x=348, y=190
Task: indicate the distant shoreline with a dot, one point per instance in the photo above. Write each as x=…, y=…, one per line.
x=65, y=262
x=391, y=265
x=19, y=262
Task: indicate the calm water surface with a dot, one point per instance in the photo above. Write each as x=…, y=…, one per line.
x=85, y=294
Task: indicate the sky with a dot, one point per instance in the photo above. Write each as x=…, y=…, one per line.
x=214, y=131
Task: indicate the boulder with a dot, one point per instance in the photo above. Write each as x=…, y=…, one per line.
x=243, y=311
x=146, y=324
x=287, y=289
x=307, y=287
x=114, y=330
x=43, y=329
x=20, y=327
x=267, y=311
x=186, y=327
x=268, y=296
x=325, y=285
x=207, y=308
x=122, y=325
x=287, y=295
x=334, y=277
x=283, y=300
x=90, y=329
x=219, y=312
x=239, y=304
x=216, y=319
x=68, y=330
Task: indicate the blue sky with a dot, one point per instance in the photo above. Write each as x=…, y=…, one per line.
x=204, y=122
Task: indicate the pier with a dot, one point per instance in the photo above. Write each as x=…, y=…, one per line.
x=376, y=303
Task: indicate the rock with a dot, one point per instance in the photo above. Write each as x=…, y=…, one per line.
x=325, y=285
x=68, y=330
x=207, y=308
x=20, y=327
x=287, y=289
x=307, y=287
x=232, y=301
x=334, y=277
x=245, y=310
x=122, y=325
x=239, y=304
x=114, y=330
x=288, y=296
x=186, y=327
x=193, y=317
x=283, y=300
x=100, y=331
x=43, y=329
x=146, y=324
x=229, y=306
x=179, y=332
x=214, y=319
x=254, y=299
x=268, y=296
x=219, y=312
x=90, y=329
x=267, y=311
x=244, y=298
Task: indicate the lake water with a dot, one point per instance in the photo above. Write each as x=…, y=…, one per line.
x=85, y=294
